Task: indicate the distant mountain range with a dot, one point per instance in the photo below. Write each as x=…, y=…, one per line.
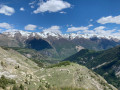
x=51, y=36
x=54, y=45
x=46, y=34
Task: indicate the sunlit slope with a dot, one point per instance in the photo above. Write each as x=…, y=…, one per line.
x=73, y=75
x=16, y=66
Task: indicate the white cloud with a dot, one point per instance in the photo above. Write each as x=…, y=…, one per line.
x=30, y=27
x=12, y=30
x=90, y=25
x=105, y=32
x=52, y=6
x=62, y=12
x=4, y=9
x=99, y=28
x=5, y=26
x=101, y=31
x=73, y=29
x=53, y=29
x=109, y=19
x=22, y=9
x=86, y=32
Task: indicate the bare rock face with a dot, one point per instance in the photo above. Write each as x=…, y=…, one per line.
x=28, y=55
x=78, y=48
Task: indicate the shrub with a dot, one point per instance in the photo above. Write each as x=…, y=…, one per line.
x=4, y=81
x=15, y=87
x=21, y=87
x=2, y=64
x=39, y=63
x=64, y=63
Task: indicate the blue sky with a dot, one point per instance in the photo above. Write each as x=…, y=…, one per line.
x=66, y=16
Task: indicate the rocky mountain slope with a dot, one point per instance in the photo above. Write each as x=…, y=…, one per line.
x=26, y=72
x=106, y=63
x=16, y=66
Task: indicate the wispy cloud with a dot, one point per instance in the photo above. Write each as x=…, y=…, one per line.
x=73, y=29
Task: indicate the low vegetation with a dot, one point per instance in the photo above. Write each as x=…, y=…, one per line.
x=5, y=81
x=16, y=87
x=64, y=63
x=39, y=63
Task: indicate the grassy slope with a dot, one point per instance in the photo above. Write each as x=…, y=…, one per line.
x=73, y=75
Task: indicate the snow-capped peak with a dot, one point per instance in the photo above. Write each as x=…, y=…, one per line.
x=11, y=33
x=45, y=34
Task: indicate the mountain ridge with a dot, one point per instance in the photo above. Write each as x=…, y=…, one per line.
x=46, y=34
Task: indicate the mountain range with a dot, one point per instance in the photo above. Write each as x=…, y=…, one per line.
x=55, y=45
